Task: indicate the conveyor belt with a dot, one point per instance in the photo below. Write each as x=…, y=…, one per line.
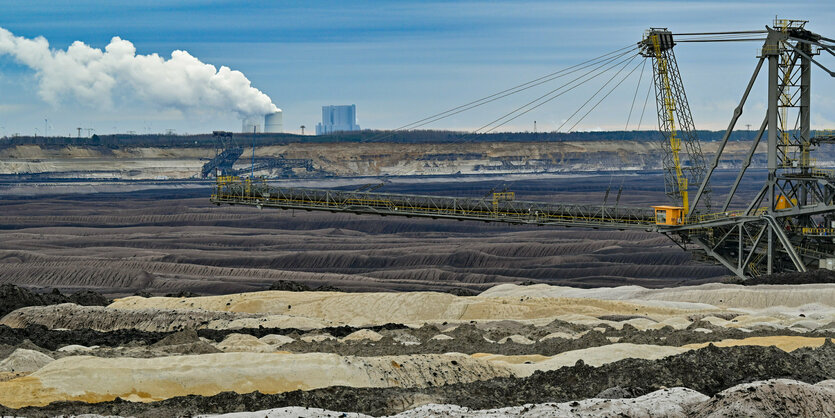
x=497, y=209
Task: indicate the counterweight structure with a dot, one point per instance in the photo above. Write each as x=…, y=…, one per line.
x=788, y=226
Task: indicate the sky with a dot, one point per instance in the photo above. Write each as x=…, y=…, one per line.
x=398, y=61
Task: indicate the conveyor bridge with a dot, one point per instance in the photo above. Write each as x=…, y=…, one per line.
x=500, y=208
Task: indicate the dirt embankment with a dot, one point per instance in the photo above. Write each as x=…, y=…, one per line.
x=508, y=346
x=351, y=159
x=708, y=371
x=396, y=339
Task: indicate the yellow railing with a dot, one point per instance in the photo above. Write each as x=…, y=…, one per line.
x=770, y=50
x=387, y=204
x=818, y=231
x=727, y=214
x=785, y=24
x=827, y=172
x=500, y=197
x=221, y=180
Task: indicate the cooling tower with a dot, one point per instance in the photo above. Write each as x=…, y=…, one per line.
x=251, y=124
x=274, y=122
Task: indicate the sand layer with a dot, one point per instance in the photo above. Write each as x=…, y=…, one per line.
x=94, y=379
x=360, y=309
x=707, y=371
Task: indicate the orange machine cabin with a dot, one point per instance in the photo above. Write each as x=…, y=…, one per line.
x=668, y=215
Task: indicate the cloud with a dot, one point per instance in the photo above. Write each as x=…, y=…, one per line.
x=10, y=108
x=91, y=76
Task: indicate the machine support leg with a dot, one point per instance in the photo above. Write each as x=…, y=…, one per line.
x=746, y=163
x=741, y=248
x=719, y=258
x=734, y=119
x=770, y=254
x=773, y=93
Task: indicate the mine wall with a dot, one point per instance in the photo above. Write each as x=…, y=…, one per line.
x=40, y=162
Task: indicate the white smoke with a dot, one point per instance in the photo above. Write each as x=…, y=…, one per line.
x=92, y=76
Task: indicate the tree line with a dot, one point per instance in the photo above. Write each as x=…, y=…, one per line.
x=375, y=136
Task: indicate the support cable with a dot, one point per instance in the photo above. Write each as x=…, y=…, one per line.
x=646, y=100
x=595, y=94
x=513, y=90
x=545, y=99
x=635, y=96
x=541, y=100
x=604, y=63
x=722, y=40
x=604, y=97
x=720, y=33
x=594, y=73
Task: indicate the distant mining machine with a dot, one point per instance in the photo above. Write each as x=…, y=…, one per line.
x=228, y=152
x=788, y=226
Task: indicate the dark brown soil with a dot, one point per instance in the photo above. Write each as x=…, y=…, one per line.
x=291, y=286
x=13, y=297
x=809, y=277
x=54, y=339
x=467, y=338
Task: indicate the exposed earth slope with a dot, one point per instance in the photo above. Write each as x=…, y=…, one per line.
x=387, y=353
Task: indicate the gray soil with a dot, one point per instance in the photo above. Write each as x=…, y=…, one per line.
x=166, y=242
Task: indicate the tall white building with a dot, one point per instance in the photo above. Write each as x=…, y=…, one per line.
x=338, y=119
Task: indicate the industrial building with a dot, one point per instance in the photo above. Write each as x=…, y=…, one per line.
x=338, y=119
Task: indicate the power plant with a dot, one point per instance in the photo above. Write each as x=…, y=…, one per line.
x=341, y=118
x=789, y=225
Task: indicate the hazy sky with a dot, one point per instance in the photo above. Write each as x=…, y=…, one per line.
x=398, y=61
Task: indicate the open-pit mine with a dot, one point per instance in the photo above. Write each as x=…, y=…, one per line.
x=592, y=274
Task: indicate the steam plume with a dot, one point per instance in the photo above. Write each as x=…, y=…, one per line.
x=90, y=75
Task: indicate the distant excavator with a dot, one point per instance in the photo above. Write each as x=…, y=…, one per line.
x=788, y=226
x=228, y=152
